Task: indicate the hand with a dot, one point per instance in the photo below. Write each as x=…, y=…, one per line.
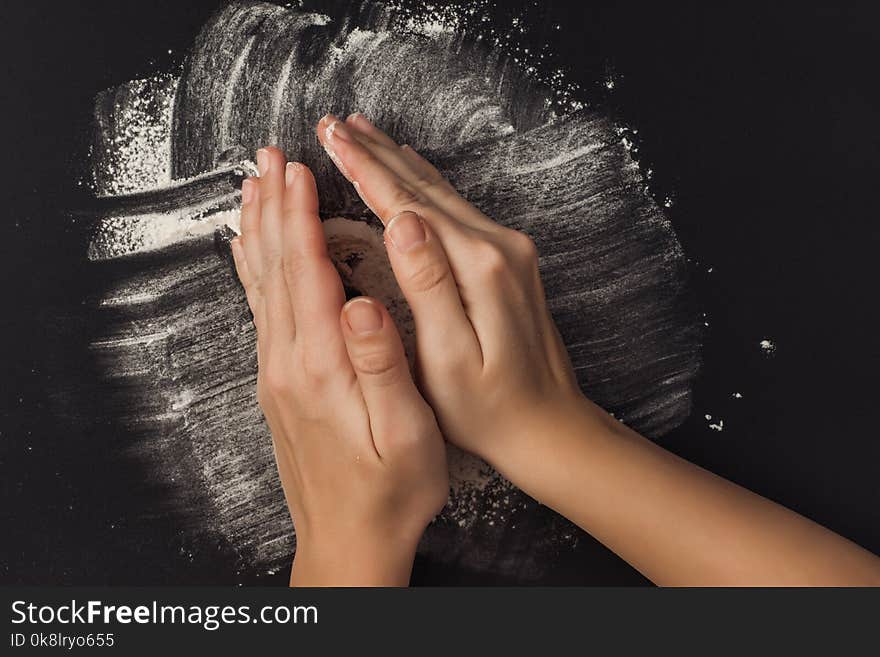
x=490, y=360
x=496, y=373
x=360, y=456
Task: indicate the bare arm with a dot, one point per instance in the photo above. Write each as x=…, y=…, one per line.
x=675, y=522
x=497, y=375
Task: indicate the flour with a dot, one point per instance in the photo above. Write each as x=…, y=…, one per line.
x=119, y=236
x=508, y=129
x=133, y=149
x=768, y=347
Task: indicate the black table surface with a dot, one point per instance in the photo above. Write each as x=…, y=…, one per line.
x=756, y=121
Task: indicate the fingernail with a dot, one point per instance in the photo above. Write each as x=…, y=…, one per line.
x=357, y=116
x=363, y=316
x=405, y=230
x=291, y=171
x=263, y=160
x=337, y=129
x=247, y=191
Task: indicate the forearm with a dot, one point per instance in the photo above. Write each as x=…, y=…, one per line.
x=673, y=521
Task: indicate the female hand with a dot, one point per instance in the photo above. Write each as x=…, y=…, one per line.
x=490, y=360
x=495, y=371
x=360, y=456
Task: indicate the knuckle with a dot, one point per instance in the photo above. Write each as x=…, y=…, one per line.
x=381, y=365
x=271, y=263
x=428, y=178
x=314, y=369
x=268, y=196
x=292, y=268
x=402, y=197
x=491, y=259
x=274, y=151
x=429, y=276
x=523, y=246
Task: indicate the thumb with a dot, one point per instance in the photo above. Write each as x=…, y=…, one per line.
x=377, y=357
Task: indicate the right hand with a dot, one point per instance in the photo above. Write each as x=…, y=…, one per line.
x=495, y=371
x=490, y=360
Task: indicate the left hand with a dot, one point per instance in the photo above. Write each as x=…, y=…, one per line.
x=361, y=459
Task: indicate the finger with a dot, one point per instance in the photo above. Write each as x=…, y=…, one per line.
x=251, y=290
x=427, y=281
x=316, y=292
x=380, y=188
x=270, y=163
x=369, y=130
x=377, y=357
x=417, y=172
x=384, y=192
x=244, y=274
x=280, y=327
x=249, y=241
x=250, y=227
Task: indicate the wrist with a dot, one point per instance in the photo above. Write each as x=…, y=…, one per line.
x=546, y=433
x=367, y=560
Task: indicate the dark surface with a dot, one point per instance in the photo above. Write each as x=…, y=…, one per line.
x=759, y=125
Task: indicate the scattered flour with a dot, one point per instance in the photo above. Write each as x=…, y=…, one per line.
x=133, y=155
x=768, y=347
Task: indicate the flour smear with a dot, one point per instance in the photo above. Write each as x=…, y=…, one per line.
x=503, y=123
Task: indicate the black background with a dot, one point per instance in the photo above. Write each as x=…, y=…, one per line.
x=760, y=123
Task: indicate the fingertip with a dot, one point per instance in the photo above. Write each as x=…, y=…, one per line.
x=291, y=171
x=363, y=316
x=360, y=122
x=323, y=123
x=262, y=161
x=302, y=173
x=301, y=192
x=319, y=128
x=363, y=131
x=273, y=152
x=369, y=132
x=415, y=158
x=250, y=205
x=248, y=191
x=270, y=159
